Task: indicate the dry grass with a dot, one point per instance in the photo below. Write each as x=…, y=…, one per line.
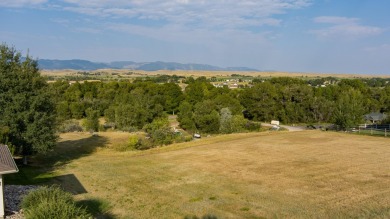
x=308, y=174
x=212, y=73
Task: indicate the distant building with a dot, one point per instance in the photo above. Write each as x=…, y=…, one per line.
x=375, y=117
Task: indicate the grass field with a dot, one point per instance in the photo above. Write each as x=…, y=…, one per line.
x=308, y=174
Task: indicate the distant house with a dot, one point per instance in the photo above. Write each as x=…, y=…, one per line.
x=375, y=117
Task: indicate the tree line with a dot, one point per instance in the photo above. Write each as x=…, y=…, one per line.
x=201, y=107
x=31, y=109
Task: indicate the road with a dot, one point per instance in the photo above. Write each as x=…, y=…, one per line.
x=293, y=128
x=289, y=128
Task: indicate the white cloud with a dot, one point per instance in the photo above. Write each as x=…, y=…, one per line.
x=344, y=27
x=217, y=23
x=216, y=13
x=20, y=3
x=201, y=36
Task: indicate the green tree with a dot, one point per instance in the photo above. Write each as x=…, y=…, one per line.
x=63, y=112
x=77, y=109
x=260, y=102
x=239, y=123
x=349, y=109
x=206, y=117
x=160, y=131
x=91, y=122
x=225, y=125
x=172, y=96
x=185, y=116
x=27, y=109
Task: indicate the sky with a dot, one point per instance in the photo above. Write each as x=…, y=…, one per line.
x=321, y=36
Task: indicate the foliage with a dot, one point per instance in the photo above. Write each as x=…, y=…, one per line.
x=51, y=202
x=132, y=143
x=70, y=126
x=206, y=117
x=261, y=101
x=226, y=121
x=185, y=116
x=349, y=110
x=160, y=131
x=130, y=106
x=27, y=108
x=91, y=122
x=252, y=126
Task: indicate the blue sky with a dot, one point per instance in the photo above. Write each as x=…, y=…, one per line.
x=329, y=36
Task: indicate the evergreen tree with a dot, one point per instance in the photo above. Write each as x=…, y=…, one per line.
x=27, y=110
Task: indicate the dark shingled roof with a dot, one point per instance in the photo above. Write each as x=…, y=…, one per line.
x=7, y=163
x=376, y=116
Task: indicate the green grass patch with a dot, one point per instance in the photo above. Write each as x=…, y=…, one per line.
x=197, y=199
x=244, y=209
x=98, y=207
x=29, y=175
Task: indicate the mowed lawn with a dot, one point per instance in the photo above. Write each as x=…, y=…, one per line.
x=308, y=174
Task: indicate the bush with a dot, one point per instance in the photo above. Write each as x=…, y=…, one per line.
x=252, y=126
x=131, y=144
x=160, y=132
x=51, y=202
x=144, y=144
x=70, y=126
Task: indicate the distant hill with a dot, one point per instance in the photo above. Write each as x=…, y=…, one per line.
x=77, y=64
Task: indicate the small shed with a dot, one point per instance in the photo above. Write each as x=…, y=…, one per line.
x=7, y=165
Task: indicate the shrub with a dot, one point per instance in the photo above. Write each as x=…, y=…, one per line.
x=144, y=144
x=51, y=202
x=160, y=131
x=131, y=144
x=252, y=126
x=70, y=126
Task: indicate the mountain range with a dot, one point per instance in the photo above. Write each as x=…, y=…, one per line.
x=85, y=65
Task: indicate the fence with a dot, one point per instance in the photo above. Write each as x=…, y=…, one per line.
x=374, y=129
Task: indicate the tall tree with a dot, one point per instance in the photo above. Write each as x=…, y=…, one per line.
x=27, y=110
x=349, y=109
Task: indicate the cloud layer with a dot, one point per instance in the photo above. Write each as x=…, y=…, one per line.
x=207, y=14
x=343, y=27
x=265, y=34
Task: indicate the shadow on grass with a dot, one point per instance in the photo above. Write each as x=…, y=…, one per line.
x=97, y=207
x=41, y=171
x=41, y=168
x=67, y=151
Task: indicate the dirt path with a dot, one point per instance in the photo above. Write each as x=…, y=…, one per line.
x=290, y=128
x=293, y=128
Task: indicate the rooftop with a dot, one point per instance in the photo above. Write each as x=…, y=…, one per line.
x=7, y=163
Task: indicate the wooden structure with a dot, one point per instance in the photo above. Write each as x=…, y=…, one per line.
x=7, y=165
